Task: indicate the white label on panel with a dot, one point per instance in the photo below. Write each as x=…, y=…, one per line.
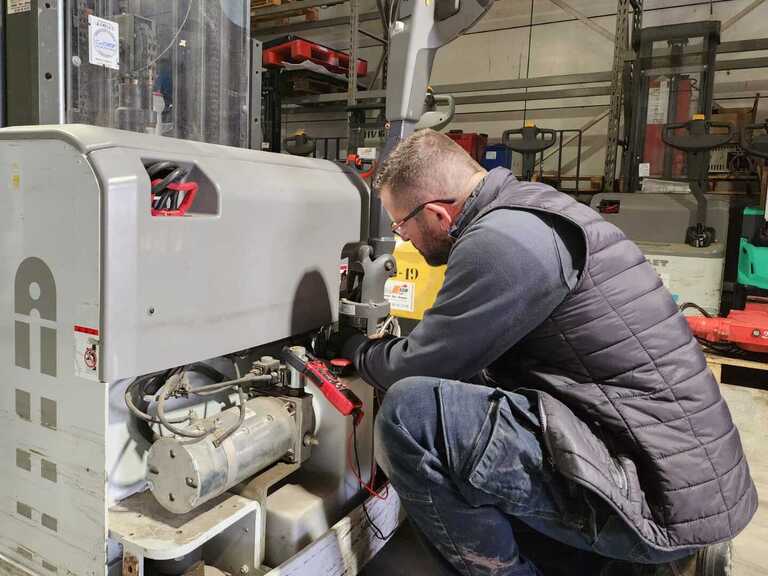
x=490, y=155
x=103, y=42
x=658, y=103
x=400, y=295
x=347, y=309
x=17, y=6
x=367, y=153
x=644, y=169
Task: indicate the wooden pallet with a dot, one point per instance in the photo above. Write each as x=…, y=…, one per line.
x=309, y=14
x=256, y=4
x=716, y=363
x=308, y=83
x=258, y=15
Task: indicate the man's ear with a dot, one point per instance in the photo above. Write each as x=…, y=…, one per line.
x=443, y=214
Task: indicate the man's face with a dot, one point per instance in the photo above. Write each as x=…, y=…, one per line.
x=427, y=231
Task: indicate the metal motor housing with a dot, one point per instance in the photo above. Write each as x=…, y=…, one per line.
x=185, y=473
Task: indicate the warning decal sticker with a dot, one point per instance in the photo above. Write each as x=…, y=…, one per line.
x=400, y=295
x=18, y=6
x=87, y=352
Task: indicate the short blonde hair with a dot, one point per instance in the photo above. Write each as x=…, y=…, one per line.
x=425, y=166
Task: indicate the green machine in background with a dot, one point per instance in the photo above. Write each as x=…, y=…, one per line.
x=753, y=247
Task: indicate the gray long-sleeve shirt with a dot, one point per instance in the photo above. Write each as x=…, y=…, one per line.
x=506, y=273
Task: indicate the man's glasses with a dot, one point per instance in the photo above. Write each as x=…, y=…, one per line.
x=397, y=226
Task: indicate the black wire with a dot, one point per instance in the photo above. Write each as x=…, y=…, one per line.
x=167, y=199
x=376, y=530
x=687, y=305
x=207, y=370
x=722, y=348
x=160, y=186
x=157, y=167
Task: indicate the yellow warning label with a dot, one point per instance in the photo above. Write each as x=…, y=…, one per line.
x=415, y=288
x=15, y=176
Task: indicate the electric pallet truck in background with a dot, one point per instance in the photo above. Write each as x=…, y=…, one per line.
x=746, y=326
x=753, y=247
x=697, y=141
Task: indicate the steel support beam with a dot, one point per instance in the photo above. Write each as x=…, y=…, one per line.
x=329, y=98
x=2, y=66
x=743, y=46
x=620, y=48
x=732, y=47
x=562, y=80
x=294, y=6
x=378, y=71
x=302, y=26
x=742, y=64
x=540, y=82
x=354, y=43
x=305, y=116
x=255, y=133
x=731, y=21
x=584, y=19
x=537, y=95
x=378, y=39
x=535, y=82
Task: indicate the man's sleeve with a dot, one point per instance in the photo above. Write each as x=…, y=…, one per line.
x=504, y=277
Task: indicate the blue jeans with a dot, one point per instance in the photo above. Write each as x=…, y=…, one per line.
x=468, y=465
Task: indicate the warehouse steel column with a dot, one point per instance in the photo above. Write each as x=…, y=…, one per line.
x=617, y=93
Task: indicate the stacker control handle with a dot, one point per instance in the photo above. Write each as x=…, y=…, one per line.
x=533, y=139
x=756, y=146
x=698, y=137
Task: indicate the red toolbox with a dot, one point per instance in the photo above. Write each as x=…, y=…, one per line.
x=472, y=142
x=296, y=50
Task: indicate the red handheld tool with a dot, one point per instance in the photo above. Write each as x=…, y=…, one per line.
x=747, y=329
x=341, y=397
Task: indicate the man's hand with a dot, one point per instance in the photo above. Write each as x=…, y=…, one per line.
x=336, y=341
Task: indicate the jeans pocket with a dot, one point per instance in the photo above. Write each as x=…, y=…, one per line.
x=496, y=466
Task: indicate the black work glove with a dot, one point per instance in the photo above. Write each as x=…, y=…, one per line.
x=337, y=342
x=351, y=344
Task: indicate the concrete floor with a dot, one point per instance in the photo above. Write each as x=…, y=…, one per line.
x=404, y=556
x=749, y=407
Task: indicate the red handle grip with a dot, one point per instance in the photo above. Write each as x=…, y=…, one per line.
x=190, y=191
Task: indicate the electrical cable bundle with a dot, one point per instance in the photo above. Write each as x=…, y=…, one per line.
x=172, y=384
x=369, y=486
x=163, y=174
